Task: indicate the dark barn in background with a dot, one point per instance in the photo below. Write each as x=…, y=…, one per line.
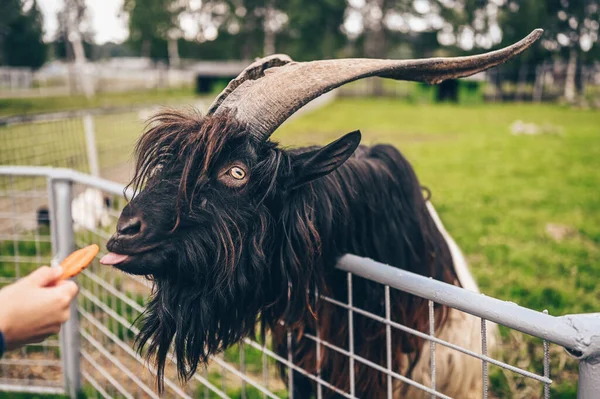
x=235, y=230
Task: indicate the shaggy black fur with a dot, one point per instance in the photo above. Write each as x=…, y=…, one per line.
x=226, y=252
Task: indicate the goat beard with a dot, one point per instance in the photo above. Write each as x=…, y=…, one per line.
x=210, y=299
x=198, y=325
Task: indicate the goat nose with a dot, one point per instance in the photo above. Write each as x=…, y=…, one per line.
x=129, y=227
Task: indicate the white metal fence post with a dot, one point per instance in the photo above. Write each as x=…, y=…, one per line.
x=588, y=353
x=588, y=386
x=62, y=230
x=90, y=144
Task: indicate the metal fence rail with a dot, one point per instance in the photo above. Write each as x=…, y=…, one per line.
x=94, y=352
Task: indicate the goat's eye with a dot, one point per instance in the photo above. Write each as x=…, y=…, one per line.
x=237, y=173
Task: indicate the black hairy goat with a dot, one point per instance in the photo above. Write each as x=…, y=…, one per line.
x=235, y=230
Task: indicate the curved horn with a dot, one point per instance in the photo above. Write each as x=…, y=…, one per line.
x=252, y=72
x=270, y=90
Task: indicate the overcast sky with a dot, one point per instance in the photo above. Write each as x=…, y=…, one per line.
x=104, y=15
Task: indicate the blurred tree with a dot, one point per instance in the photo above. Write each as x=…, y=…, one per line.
x=152, y=25
x=73, y=26
x=417, y=28
x=367, y=25
x=257, y=23
x=570, y=33
x=313, y=29
x=573, y=29
x=74, y=30
x=214, y=28
x=10, y=10
x=304, y=30
x=22, y=42
x=517, y=19
x=467, y=26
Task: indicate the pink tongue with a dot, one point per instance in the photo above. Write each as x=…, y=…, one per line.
x=112, y=258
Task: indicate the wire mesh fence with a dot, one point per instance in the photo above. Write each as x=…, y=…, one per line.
x=97, y=353
x=96, y=141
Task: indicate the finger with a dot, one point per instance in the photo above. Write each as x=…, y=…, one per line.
x=63, y=294
x=45, y=276
x=68, y=288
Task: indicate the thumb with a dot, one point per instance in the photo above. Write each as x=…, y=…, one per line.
x=68, y=288
x=45, y=275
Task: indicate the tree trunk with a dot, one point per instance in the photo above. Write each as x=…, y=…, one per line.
x=538, y=88
x=579, y=76
x=570, y=78
x=498, y=93
x=269, y=45
x=146, y=47
x=522, y=81
x=269, y=41
x=2, y=38
x=375, y=44
x=74, y=37
x=174, y=61
x=247, y=50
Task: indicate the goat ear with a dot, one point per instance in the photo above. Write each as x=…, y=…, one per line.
x=311, y=165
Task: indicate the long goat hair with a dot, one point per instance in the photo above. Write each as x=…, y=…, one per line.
x=235, y=230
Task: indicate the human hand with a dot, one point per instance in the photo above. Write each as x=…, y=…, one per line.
x=35, y=306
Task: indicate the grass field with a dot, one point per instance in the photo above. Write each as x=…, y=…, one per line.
x=524, y=209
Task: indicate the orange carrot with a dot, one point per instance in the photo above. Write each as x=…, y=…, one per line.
x=78, y=260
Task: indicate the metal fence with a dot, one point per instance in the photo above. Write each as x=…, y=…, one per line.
x=95, y=141
x=95, y=354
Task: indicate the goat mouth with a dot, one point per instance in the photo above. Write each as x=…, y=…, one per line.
x=118, y=255
x=137, y=258
x=113, y=259
x=117, y=259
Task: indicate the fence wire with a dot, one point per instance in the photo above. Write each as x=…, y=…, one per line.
x=110, y=302
x=95, y=141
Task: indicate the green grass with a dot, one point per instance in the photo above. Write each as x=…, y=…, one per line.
x=35, y=105
x=497, y=194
